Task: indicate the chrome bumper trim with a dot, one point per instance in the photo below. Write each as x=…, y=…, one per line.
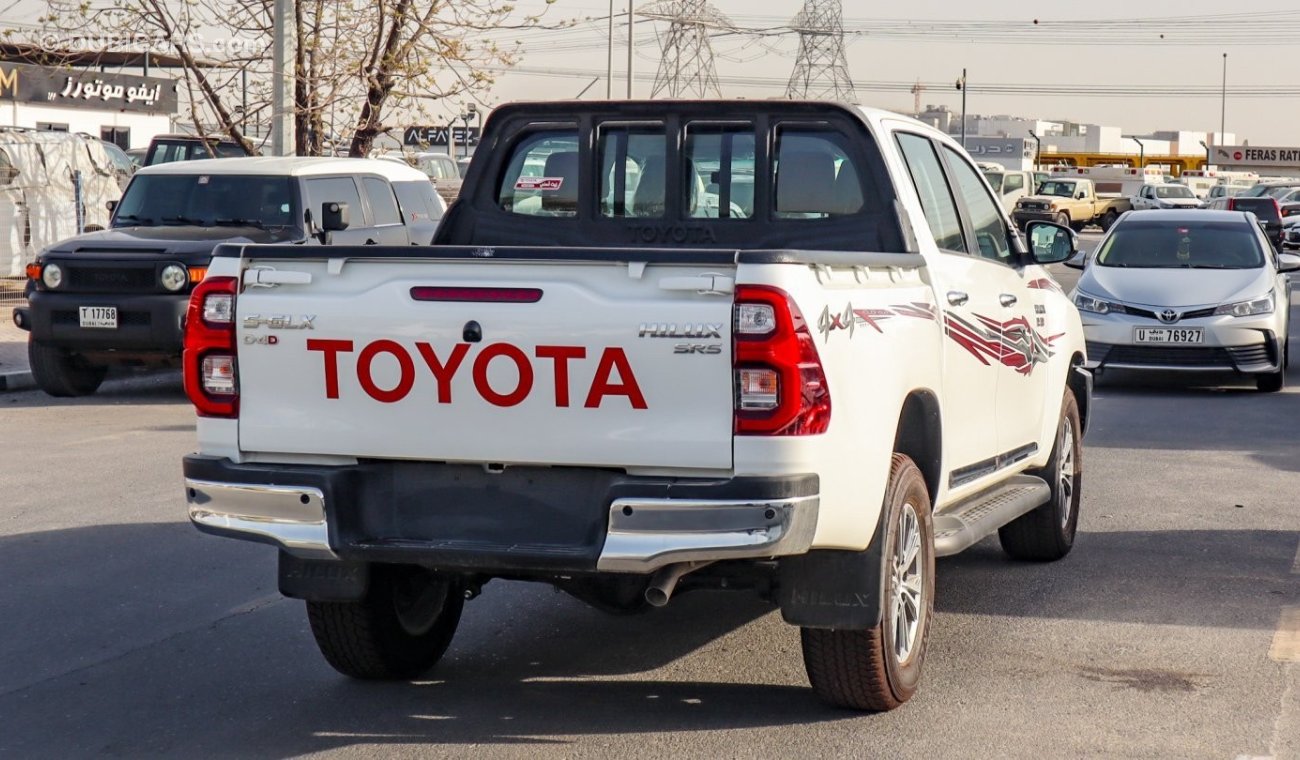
x=291, y=517
x=647, y=534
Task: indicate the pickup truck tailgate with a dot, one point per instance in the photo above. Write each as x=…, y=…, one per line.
x=564, y=363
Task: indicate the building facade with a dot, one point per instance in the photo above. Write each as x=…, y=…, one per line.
x=124, y=109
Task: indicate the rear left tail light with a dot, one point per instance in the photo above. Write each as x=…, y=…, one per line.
x=210, y=366
x=780, y=386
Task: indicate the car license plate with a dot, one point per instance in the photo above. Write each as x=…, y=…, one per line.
x=99, y=316
x=1167, y=334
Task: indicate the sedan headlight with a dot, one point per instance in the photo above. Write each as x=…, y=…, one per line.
x=1247, y=308
x=174, y=277
x=1095, y=305
x=52, y=276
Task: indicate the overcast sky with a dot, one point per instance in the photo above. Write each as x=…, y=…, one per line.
x=1262, y=49
x=1089, y=61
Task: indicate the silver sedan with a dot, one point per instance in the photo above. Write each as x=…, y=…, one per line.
x=1197, y=291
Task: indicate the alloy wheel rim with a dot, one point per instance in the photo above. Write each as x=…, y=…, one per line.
x=1065, y=488
x=908, y=584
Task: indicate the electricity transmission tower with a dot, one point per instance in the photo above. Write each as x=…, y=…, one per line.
x=686, y=67
x=821, y=71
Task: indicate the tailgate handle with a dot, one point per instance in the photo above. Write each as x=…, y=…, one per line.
x=705, y=284
x=269, y=278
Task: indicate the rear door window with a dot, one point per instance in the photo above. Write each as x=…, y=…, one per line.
x=814, y=176
x=936, y=199
x=333, y=190
x=541, y=177
x=382, y=204
x=1013, y=182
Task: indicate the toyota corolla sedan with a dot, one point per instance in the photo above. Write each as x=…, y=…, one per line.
x=1196, y=291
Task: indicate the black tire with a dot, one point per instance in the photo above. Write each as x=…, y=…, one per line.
x=863, y=669
x=1078, y=226
x=1047, y=533
x=62, y=373
x=1063, y=219
x=1108, y=220
x=399, y=630
x=1271, y=382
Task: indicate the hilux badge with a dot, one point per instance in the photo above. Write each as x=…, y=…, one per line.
x=281, y=321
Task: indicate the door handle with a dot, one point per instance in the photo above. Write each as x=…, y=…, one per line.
x=1006, y=299
x=958, y=298
x=371, y=241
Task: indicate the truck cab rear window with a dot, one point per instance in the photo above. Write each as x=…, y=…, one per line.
x=542, y=176
x=721, y=176
x=633, y=160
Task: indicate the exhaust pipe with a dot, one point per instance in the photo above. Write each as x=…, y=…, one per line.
x=664, y=581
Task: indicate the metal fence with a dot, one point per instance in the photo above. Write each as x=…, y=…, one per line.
x=11, y=295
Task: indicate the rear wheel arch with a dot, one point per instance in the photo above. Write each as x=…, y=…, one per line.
x=919, y=436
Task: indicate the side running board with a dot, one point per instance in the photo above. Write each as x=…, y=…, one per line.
x=961, y=527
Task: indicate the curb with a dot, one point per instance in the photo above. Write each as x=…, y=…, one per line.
x=16, y=381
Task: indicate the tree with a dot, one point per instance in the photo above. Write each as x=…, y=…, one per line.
x=356, y=62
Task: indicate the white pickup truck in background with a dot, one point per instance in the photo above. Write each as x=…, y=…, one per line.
x=795, y=349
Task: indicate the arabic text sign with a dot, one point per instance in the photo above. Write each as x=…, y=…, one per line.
x=1261, y=156
x=77, y=88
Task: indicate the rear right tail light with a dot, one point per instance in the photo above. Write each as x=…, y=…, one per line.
x=780, y=386
x=211, y=370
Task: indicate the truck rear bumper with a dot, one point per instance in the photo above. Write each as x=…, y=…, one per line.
x=520, y=520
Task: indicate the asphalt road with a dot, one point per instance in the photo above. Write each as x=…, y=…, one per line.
x=127, y=633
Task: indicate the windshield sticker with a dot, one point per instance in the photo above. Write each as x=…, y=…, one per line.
x=544, y=184
x=203, y=179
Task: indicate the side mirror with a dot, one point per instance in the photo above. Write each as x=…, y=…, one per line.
x=1079, y=196
x=1050, y=243
x=333, y=216
x=1079, y=262
x=111, y=205
x=1288, y=262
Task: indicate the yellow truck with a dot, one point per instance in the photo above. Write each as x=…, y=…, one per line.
x=1070, y=201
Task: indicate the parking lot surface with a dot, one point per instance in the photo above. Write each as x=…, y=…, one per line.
x=1169, y=632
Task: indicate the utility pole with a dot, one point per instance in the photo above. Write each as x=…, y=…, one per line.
x=1223, y=108
x=961, y=85
x=609, y=58
x=282, y=79
x=821, y=70
x=686, y=56
x=631, y=43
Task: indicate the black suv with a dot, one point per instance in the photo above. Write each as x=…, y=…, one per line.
x=164, y=149
x=118, y=296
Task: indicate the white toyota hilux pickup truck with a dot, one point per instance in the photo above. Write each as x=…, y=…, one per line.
x=796, y=349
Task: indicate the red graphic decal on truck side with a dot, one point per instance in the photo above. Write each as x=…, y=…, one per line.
x=613, y=375
x=1012, y=343
x=1045, y=283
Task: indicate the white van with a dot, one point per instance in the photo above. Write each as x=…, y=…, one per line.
x=1010, y=184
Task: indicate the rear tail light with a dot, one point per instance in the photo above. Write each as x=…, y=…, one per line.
x=1232, y=204
x=780, y=385
x=210, y=366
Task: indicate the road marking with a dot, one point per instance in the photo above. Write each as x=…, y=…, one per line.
x=1286, y=639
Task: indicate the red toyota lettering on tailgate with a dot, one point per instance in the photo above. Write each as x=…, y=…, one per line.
x=613, y=375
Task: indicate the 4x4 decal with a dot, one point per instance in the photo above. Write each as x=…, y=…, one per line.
x=850, y=318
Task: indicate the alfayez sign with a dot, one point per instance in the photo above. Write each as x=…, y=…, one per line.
x=76, y=88
x=1257, y=156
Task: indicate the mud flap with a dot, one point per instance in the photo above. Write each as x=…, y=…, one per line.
x=831, y=588
x=323, y=580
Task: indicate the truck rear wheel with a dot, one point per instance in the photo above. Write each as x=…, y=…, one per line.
x=62, y=373
x=1047, y=533
x=1108, y=220
x=879, y=668
x=399, y=630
